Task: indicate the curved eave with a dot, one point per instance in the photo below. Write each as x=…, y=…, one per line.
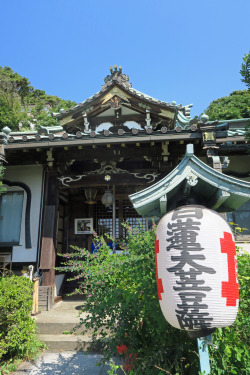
x=221, y=193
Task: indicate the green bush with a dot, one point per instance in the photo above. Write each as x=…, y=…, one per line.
x=17, y=327
x=233, y=355
x=123, y=310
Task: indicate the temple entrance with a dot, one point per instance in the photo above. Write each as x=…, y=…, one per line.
x=80, y=215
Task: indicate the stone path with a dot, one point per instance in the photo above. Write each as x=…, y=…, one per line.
x=64, y=363
x=65, y=355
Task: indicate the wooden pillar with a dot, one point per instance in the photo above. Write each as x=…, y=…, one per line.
x=2, y=153
x=49, y=228
x=120, y=215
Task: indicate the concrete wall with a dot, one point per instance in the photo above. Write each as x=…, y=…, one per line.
x=31, y=175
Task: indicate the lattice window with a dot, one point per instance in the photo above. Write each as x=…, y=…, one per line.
x=103, y=220
x=131, y=216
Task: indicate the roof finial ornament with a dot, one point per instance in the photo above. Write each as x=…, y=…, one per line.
x=204, y=118
x=117, y=75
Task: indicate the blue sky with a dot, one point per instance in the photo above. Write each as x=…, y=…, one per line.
x=187, y=51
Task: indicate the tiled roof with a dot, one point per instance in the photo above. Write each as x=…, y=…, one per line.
x=57, y=133
x=52, y=135
x=205, y=181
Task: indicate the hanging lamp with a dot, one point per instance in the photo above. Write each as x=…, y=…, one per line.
x=107, y=199
x=90, y=194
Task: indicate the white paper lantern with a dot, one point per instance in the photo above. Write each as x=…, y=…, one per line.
x=196, y=270
x=108, y=198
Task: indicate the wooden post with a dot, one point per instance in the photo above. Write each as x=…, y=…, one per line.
x=49, y=228
x=2, y=153
x=120, y=218
x=35, y=296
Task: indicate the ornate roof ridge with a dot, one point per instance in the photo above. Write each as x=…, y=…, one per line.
x=121, y=79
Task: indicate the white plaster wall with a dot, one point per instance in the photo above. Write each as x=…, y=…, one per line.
x=31, y=175
x=244, y=246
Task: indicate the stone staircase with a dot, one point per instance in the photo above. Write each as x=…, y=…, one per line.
x=54, y=327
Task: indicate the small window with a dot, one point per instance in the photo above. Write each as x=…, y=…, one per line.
x=11, y=207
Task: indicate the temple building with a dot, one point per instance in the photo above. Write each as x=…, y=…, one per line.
x=119, y=156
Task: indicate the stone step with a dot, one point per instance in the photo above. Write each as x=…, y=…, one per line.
x=69, y=342
x=73, y=297
x=46, y=328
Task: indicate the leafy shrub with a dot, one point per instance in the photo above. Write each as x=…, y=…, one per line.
x=17, y=327
x=123, y=310
x=233, y=355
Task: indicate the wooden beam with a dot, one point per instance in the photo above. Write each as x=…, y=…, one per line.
x=218, y=199
x=240, y=138
x=116, y=179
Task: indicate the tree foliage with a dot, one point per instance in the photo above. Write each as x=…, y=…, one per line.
x=234, y=106
x=245, y=70
x=237, y=104
x=22, y=106
x=10, y=102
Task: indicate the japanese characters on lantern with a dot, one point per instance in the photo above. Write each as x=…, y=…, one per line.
x=196, y=270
